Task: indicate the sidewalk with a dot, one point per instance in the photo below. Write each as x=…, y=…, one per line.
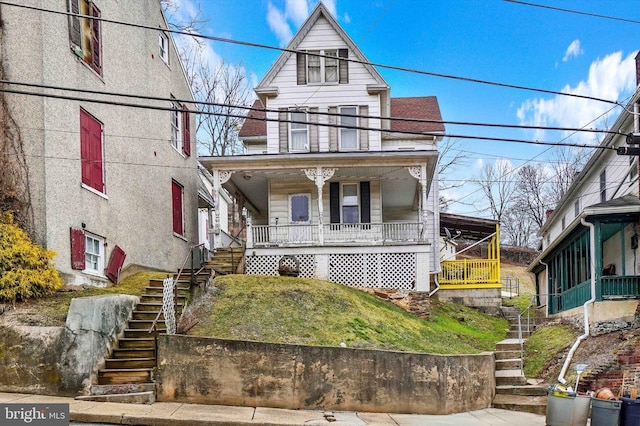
x=179, y=414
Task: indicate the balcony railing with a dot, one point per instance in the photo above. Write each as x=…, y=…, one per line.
x=365, y=233
x=470, y=273
x=613, y=287
x=610, y=287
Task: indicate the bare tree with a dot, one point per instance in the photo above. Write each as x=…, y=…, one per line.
x=450, y=156
x=498, y=186
x=517, y=227
x=532, y=194
x=566, y=164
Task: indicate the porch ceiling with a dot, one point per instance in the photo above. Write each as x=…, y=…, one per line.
x=251, y=173
x=254, y=184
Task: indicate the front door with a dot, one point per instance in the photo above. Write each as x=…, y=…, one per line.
x=299, y=217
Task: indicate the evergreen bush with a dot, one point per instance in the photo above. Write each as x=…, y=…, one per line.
x=26, y=269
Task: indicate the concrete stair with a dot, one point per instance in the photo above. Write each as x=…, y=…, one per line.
x=512, y=391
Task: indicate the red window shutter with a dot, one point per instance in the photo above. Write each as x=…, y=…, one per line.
x=176, y=204
x=115, y=264
x=186, y=131
x=77, y=248
x=91, y=151
x=96, y=59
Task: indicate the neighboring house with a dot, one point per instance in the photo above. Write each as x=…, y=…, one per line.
x=211, y=212
x=593, y=234
x=110, y=186
x=329, y=178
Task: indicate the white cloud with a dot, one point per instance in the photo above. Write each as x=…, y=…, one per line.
x=609, y=78
x=278, y=23
x=573, y=50
x=296, y=10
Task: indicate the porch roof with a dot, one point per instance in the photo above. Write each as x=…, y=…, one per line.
x=251, y=173
x=622, y=207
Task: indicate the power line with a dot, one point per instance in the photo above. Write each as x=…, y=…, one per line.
x=333, y=125
x=318, y=113
x=595, y=15
x=284, y=49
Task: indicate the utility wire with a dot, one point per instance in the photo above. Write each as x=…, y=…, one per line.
x=333, y=125
x=595, y=15
x=318, y=113
x=284, y=49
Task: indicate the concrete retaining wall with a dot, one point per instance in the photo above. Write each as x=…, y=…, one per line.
x=216, y=371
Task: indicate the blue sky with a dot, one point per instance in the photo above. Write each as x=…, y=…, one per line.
x=491, y=40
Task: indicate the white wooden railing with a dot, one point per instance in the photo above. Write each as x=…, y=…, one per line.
x=335, y=233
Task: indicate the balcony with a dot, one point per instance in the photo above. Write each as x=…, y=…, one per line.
x=335, y=233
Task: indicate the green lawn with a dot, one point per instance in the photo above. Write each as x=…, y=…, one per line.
x=314, y=312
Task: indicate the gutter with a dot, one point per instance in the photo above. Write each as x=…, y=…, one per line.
x=592, y=249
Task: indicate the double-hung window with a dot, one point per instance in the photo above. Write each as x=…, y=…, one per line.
x=633, y=171
x=94, y=254
x=85, y=33
x=299, y=131
x=350, y=206
x=322, y=66
x=180, y=128
x=164, y=47
x=91, y=157
x=348, y=130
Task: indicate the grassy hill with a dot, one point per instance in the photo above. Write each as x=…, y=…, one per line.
x=314, y=312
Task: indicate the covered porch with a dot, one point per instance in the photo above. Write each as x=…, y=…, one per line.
x=564, y=273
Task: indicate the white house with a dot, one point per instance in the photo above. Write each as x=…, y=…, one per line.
x=339, y=178
x=590, y=240
x=109, y=186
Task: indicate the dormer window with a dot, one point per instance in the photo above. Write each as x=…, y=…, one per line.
x=322, y=66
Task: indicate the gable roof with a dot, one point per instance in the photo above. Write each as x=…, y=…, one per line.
x=418, y=107
x=319, y=11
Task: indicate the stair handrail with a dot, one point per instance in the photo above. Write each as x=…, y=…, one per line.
x=520, y=339
x=175, y=288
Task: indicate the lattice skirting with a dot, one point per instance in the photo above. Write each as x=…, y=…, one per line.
x=378, y=270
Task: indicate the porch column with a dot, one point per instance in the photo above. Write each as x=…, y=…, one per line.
x=220, y=177
x=420, y=173
x=249, y=241
x=320, y=175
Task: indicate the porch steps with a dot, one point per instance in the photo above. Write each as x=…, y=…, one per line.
x=527, y=398
x=128, y=375
x=226, y=261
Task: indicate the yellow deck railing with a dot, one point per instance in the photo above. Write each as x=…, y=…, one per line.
x=474, y=273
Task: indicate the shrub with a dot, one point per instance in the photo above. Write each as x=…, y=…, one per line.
x=26, y=270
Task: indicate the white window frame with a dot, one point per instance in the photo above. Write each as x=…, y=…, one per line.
x=350, y=122
x=163, y=41
x=633, y=172
x=603, y=185
x=344, y=204
x=296, y=128
x=176, y=126
x=319, y=63
x=99, y=256
x=576, y=207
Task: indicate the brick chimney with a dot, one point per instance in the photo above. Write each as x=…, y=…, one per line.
x=549, y=212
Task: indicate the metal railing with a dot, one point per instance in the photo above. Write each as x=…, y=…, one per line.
x=527, y=310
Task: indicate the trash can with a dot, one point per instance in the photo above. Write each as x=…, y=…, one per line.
x=630, y=412
x=605, y=412
x=567, y=408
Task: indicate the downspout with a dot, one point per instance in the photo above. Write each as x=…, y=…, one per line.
x=435, y=280
x=592, y=249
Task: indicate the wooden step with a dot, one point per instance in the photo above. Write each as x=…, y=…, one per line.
x=124, y=353
x=153, y=307
x=145, y=316
x=126, y=343
x=125, y=376
x=142, y=333
x=182, y=284
x=158, y=298
x=129, y=363
x=529, y=404
x=147, y=323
